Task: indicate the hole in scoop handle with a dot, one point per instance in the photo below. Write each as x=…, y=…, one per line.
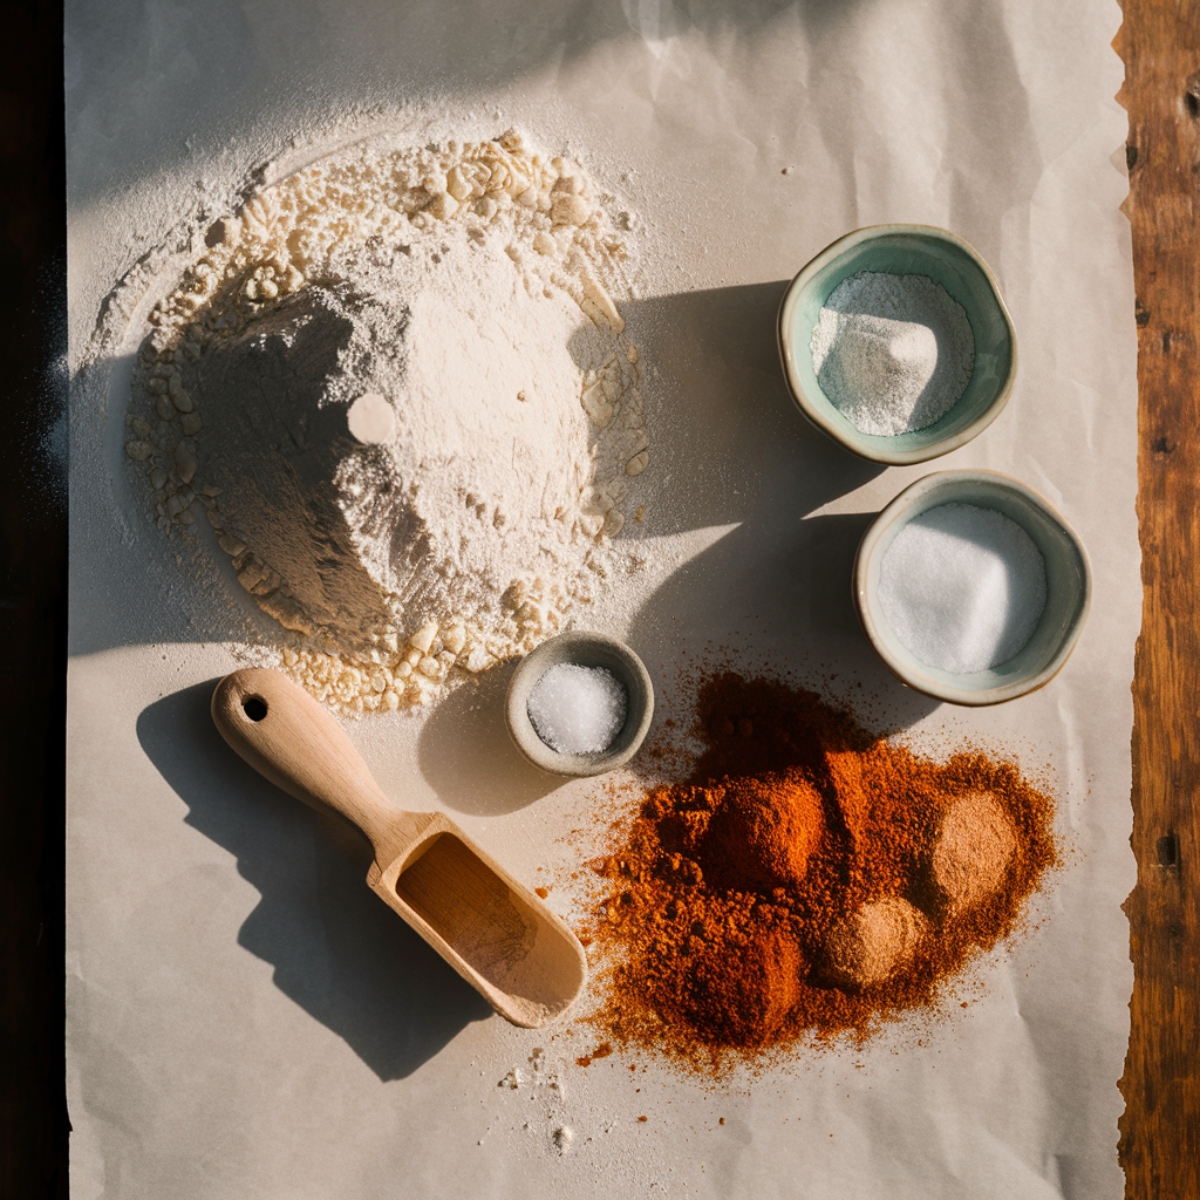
x=290, y=739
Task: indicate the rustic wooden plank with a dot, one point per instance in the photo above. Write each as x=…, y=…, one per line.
x=1160, y=1130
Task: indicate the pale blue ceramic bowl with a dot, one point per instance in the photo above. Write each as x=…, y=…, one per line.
x=1068, y=587
x=903, y=250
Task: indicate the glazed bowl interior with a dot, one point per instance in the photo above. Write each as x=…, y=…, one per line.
x=903, y=250
x=583, y=650
x=1068, y=587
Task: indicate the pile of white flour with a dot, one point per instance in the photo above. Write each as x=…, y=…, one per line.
x=399, y=391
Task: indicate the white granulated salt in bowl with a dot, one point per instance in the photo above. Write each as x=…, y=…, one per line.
x=578, y=710
x=893, y=353
x=397, y=388
x=963, y=588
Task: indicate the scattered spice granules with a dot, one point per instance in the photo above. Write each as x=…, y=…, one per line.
x=601, y=1051
x=807, y=878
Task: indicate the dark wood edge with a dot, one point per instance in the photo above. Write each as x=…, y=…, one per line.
x=1160, y=1129
x=33, y=1114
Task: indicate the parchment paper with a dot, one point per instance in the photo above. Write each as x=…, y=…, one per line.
x=244, y=1018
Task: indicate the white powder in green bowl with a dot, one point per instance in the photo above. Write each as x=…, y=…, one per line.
x=893, y=353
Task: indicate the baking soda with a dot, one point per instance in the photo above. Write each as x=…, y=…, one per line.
x=893, y=353
x=963, y=588
x=577, y=710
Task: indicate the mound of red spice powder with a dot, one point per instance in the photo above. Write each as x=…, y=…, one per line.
x=729, y=898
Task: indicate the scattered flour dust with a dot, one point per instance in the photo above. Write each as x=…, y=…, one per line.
x=397, y=388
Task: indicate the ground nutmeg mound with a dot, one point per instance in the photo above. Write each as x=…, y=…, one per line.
x=807, y=879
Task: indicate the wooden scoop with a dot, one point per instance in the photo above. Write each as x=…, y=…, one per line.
x=495, y=933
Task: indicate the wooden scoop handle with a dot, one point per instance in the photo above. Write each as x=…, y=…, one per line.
x=289, y=738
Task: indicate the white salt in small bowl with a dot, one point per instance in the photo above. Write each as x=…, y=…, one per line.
x=581, y=650
x=902, y=250
x=1068, y=587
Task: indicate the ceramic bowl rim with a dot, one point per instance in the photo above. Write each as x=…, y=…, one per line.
x=800, y=397
x=557, y=650
x=896, y=511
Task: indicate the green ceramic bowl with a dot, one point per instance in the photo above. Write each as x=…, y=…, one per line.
x=1068, y=586
x=903, y=250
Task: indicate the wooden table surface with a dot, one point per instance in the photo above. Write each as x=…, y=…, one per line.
x=1160, y=1130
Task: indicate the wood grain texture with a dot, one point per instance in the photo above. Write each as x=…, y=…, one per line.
x=1160, y=1130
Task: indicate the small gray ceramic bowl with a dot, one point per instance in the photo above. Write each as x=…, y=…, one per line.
x=1068, y=586
x=903, y=250
x=583, y=650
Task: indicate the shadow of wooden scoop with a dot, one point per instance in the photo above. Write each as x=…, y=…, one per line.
x=493, y=931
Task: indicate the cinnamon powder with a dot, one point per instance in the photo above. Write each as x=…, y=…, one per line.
x=805, y=879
